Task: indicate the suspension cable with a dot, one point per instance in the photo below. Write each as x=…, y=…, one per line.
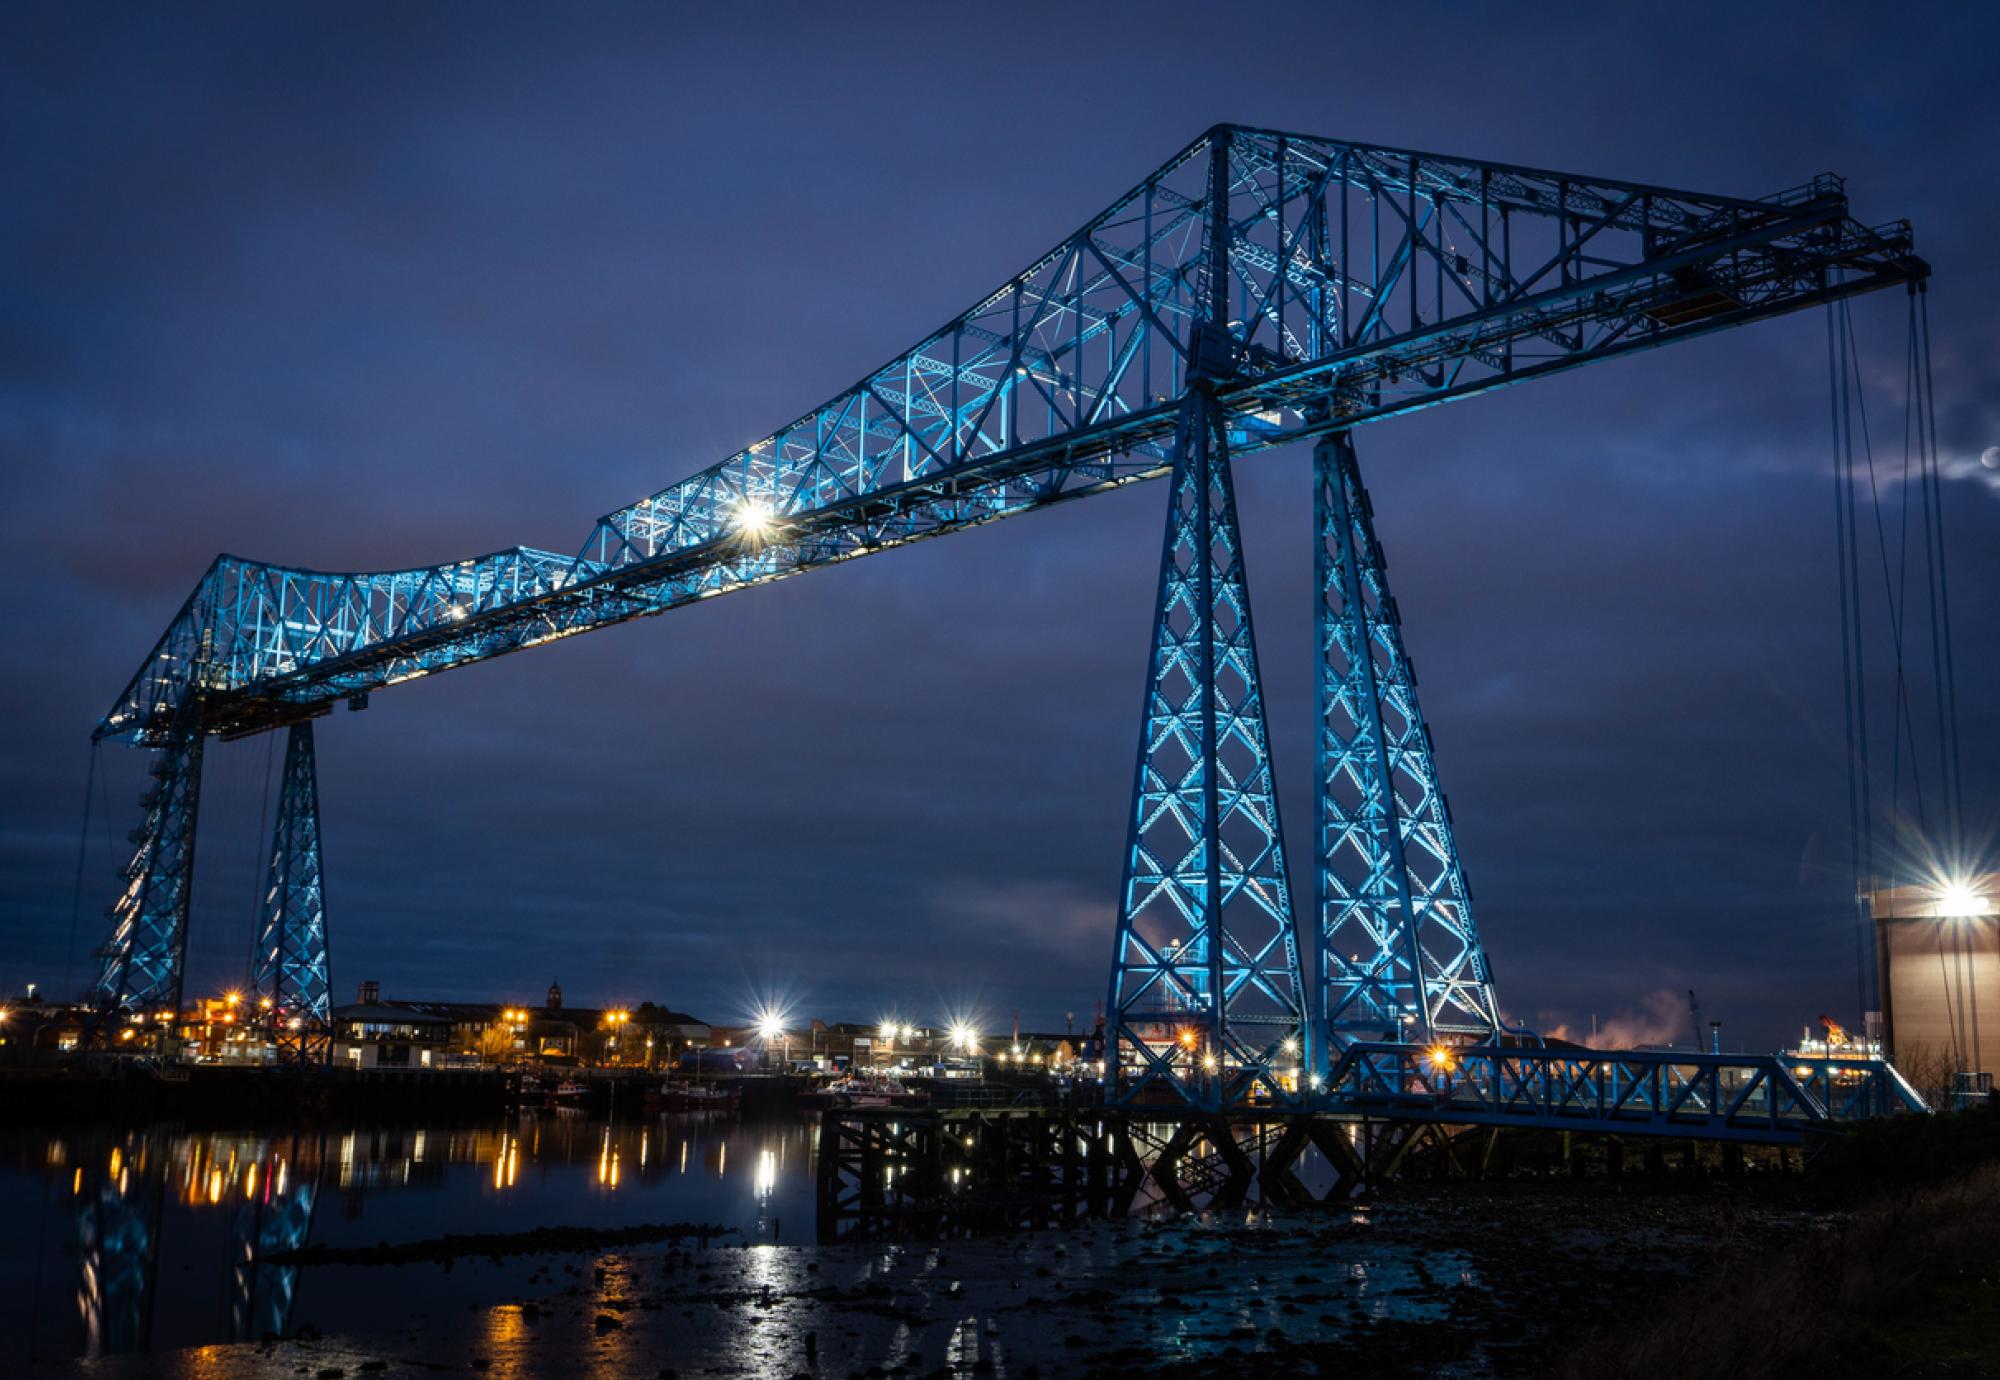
x=1941, y=631
x=1953, y=785
x=1853, y=688
x=76, y=897
x=1902, y=725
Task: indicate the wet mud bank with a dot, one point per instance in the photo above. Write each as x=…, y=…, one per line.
x=1460, y=1279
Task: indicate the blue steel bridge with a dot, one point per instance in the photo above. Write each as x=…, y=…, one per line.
x=1258, y=288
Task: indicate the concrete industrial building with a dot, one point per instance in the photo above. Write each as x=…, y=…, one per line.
x=1938, y=953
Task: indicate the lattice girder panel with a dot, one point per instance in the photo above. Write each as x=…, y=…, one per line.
x=290, y=977
x=1348, y=282
x=1400, y=956
x=1206, y=1002
x=141, y=965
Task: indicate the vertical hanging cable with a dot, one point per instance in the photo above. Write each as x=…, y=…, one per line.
x=76, y=897
x=1853, y=687
x=1846, y=649
x=1902, y=724
x=1954, y=782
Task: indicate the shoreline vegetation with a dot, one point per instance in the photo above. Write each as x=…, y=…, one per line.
x=1902, y=1279
x=1908, y=1286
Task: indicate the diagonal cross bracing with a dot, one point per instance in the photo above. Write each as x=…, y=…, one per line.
x=1400, y=956
x=139, y=970
x=1359, y=282
x=1206, y=1003
x=289, y=977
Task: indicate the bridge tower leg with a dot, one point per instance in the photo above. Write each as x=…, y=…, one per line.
x=290, y=971
x=118, y=1212
x=276, y=1221
x=1400, y=957
x=1207, y=1004
x=143, y=961
x=1206, y=997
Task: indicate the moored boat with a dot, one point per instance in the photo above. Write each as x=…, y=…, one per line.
x=692, y=1097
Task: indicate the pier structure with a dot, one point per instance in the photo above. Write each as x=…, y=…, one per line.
x=1009, y=1160
x=1259, y=288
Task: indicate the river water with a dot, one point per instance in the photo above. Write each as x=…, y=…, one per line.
x=141, y=1250
x=124, y=1241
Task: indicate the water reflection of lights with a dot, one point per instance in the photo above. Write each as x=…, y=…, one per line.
x=251, y=1183
x=506, y=1329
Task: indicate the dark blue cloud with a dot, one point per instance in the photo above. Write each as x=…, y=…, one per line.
x=368, y=286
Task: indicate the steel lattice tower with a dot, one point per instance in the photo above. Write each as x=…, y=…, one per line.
x=1257, y=289
x=290, y=972
x=1206, y=997
x=1399, y=953
x=141, y=962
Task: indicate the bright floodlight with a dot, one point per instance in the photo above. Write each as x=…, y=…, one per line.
x=771, y=1024
x=754, y=517
x=1958, y=901
x=963, y=1036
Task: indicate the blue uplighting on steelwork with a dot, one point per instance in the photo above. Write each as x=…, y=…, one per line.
x=1256, y=289
x=290, y=976
x=1360, y=282
x=1399, y=952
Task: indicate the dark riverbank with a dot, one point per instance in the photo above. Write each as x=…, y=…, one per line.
x=1427, y=1279
x=1880, y=1253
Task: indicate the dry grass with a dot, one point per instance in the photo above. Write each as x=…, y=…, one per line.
x=1908, y=1286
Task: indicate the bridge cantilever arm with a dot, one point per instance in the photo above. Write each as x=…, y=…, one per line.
x=1064, y=382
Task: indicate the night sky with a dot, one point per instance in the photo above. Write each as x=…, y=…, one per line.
x=369, y=287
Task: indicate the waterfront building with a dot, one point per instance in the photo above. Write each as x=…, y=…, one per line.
x=1938, y=960
x=377, y=1033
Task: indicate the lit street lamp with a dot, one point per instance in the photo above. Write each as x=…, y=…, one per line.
x=615, y=1020
x=771, y=1027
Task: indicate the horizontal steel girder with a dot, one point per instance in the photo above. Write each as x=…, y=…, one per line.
x=1749, y=1097
x=1360, y=282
